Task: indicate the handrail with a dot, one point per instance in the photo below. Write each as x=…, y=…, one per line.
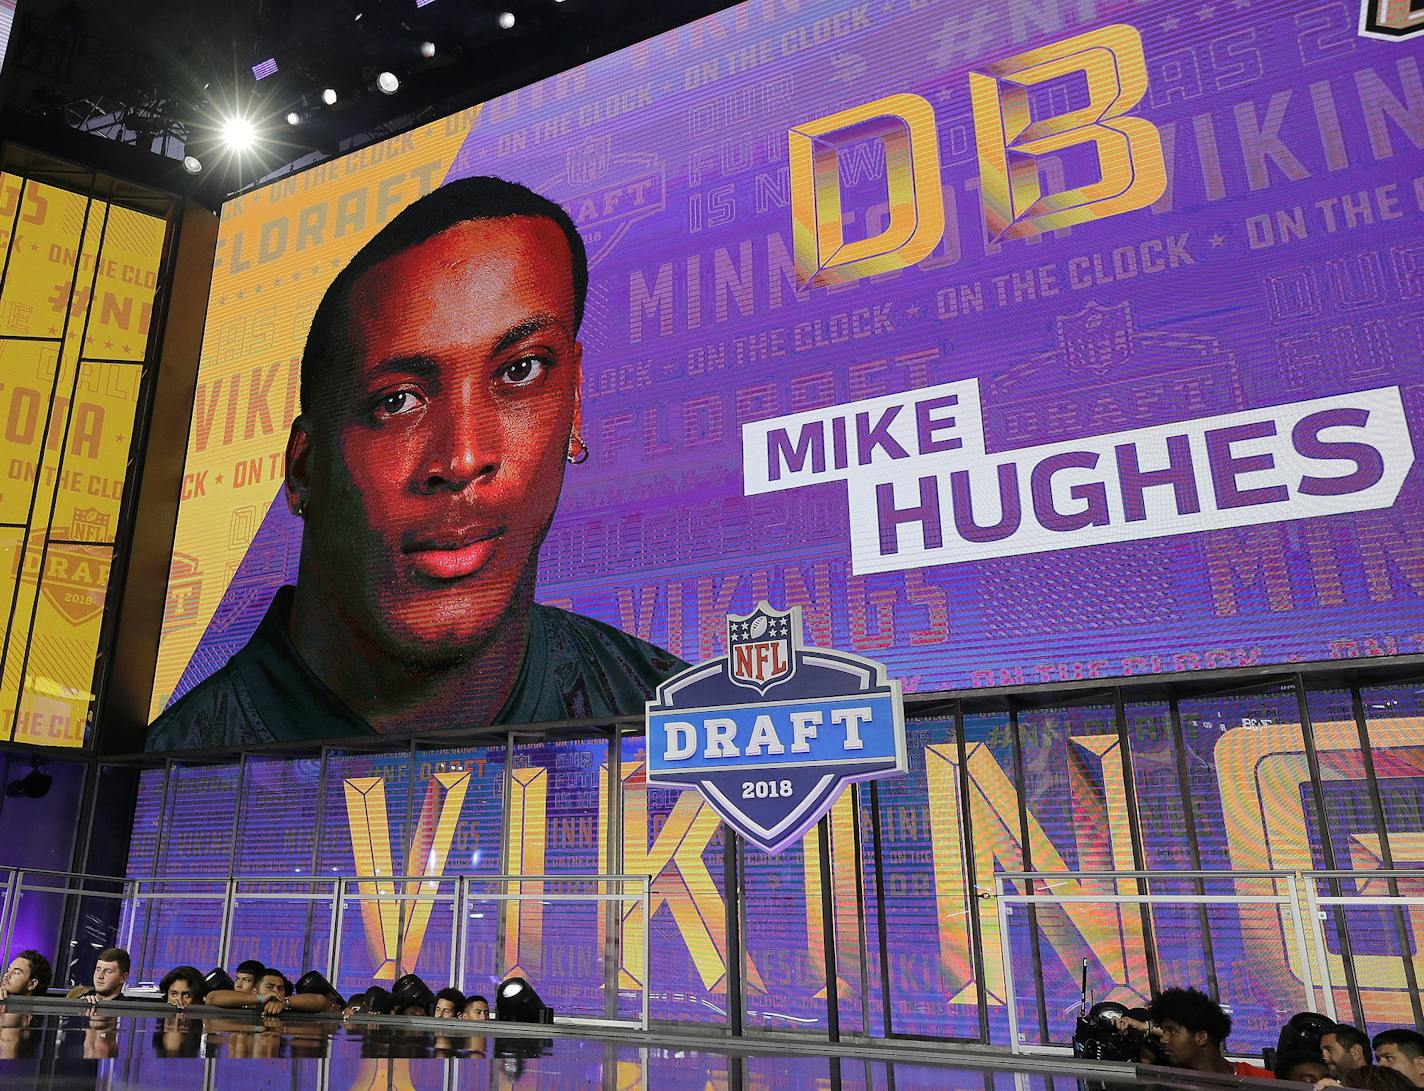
x=458, y=891
x=1298, y=900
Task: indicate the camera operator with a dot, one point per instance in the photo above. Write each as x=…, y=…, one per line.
x=1191, y=1028
x=1111, y=1032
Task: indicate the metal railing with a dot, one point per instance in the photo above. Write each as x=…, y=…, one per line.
x=1265, y=908
x=397, y=900
x=1306, y=928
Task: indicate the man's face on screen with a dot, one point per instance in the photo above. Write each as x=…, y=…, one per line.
x=437, y=449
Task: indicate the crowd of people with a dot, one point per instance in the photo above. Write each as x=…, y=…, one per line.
x=1182, y=1028
x=251, y=985
x=1185, y=1028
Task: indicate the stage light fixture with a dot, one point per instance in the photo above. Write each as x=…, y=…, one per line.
x=506, y=20
x=387, y=83
x=515, y=1001
x=263, y=69
x=293, y=118
x=35, y=784
x=329, y=96
x=217, y=979
x=192, y=164
x=427, y=50
x=239, y=134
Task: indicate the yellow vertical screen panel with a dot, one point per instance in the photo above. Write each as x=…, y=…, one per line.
x=27, y=374
x=43, y=260
x=16, y=609
x=95, y=454
x=59, y=671
x=122, y=309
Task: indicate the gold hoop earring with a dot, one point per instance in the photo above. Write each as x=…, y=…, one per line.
x=576, y=444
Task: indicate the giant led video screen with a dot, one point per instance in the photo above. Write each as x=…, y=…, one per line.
x=1012, y=343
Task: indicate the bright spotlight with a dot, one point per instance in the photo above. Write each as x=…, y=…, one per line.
x=192, y=164
x=329, y=96
x=293, y=118
x=427, y=50
x=387, y=83
x=506, y=20
x=239, y=134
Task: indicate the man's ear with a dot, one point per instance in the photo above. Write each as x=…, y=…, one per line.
x=578, y=388
x=299, y=454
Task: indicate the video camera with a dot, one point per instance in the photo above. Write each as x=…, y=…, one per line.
x=1099, y=1034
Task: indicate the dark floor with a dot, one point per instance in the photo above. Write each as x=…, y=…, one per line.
x=46, y=1049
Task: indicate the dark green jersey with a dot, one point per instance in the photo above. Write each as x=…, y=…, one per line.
x=574, y=668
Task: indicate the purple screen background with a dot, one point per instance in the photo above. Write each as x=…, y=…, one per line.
x=1269, y=115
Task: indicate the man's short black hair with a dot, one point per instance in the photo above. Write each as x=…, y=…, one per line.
x=1287, y=1062
x=1193, y=1009
x=471, y=999
x=115, y=954
x=1349, y=1037
x=251, y=966
x=457, y=202
x=279, y=975
x=1410, y=1042
x=452, y=994
x=192, y=975
x=40, y=970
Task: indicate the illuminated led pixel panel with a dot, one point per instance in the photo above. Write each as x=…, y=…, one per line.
x=1072, y=349
x=76, y=304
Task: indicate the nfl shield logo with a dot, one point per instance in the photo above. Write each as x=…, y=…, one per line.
x=760, y=647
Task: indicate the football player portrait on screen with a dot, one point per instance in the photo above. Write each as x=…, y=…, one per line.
x=439, y=411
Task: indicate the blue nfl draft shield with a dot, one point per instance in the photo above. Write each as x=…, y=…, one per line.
x=772, y=731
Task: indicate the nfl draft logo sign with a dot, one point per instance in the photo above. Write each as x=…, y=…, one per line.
x=771, y=732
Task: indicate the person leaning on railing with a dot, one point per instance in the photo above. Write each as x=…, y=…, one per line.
x=29, y=975
x=271, y=997
x=111, y=972
x=182, y=986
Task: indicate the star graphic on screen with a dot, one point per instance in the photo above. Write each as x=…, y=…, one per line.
x=34, y=247
x=1205, y=12
x=218, y=478
x=1217, y=240
x=1170, y=23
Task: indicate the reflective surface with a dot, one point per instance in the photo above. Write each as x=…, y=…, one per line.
x=106, y=1050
